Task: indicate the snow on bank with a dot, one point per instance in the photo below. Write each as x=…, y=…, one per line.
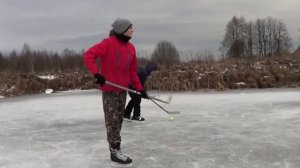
x=49, y=77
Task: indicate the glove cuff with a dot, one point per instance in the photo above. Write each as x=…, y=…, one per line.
x=96, y=75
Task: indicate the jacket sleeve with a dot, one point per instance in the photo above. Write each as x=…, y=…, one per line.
x=91, y=55
x=142, y=74
x=134, y=76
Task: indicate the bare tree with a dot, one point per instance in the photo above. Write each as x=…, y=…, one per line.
x=3, y=62
x=165, y=53
x=25, y=60
x=260, y=37
x=237, y=49
x=281, y=38
x=250, y=38
x=13, y=61
x=265, y=37
x=233, y=43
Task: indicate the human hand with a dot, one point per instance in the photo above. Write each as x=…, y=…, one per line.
x=144, y=94
x=99, y=79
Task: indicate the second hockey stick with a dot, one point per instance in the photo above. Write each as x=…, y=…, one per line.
x=168, y=101
x=169, y=112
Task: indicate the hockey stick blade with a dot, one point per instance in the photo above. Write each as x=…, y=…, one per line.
x=173, y=112
x=169, y=112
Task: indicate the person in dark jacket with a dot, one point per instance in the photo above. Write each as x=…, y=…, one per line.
x=135, y=101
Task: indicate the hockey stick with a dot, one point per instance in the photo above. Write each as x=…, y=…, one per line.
x=169, y=112
x=168, y=101
x=138, y=93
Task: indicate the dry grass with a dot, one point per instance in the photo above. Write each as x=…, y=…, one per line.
x=195, y=75
x=228, y=74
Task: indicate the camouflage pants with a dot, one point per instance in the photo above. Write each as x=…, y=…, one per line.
x=114, y=106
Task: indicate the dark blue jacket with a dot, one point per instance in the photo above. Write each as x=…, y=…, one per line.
x=144, y=72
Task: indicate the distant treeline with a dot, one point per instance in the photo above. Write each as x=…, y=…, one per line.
x=40, y=61
x=31, y=61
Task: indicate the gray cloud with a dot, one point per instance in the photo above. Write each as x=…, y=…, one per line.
x=191, y=25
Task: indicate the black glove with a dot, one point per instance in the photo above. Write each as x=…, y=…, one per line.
x=99, y=79
x=144, y=94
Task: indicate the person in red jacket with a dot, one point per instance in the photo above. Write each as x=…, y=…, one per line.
x=118, y=64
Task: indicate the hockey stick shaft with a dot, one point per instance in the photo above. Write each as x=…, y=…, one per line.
x=169, y=112
x=157, y=99
x=122, y=87
x=133, y=91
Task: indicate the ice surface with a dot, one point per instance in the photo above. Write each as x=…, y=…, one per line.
x=230, y=129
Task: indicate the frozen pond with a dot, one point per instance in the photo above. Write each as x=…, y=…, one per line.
x=230, y=129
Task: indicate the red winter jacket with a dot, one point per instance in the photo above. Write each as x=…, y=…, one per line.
x=118, y=63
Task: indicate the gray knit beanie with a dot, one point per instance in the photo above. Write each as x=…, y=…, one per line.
x=120, y=25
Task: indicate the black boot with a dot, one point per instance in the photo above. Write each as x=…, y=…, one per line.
x=137, y=118
x=118, y=159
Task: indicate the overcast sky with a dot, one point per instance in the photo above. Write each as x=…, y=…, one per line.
x=194, y=25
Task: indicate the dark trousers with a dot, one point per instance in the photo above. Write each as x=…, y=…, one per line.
x=135, y=104
x=113, y=106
